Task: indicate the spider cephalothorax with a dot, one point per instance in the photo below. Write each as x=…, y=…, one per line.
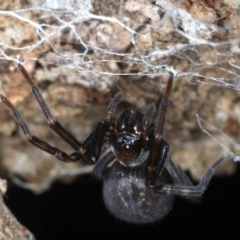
x=130, y=138
x=141, y=185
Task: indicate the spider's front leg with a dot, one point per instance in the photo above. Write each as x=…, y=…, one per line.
x=159, y=156
x=88, y=152
x=94, y=142
x=160, y=149
x=60, y=155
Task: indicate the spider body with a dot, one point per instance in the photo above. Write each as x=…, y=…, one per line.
x=126, y=196
x=141, y=185
x=128, y=140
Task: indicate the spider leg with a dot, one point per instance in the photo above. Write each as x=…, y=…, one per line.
x=101, y=167
x=95, y=141
x=35, y=140
x=177, y=174
x=54, y=124
x=88, y=155
x=179, y=177
x=103, y=126
x=160, y=149
x=189, y=190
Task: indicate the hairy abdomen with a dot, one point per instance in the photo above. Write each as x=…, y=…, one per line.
x=126, y=196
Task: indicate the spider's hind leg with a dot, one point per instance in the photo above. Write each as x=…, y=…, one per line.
x=185, y=190
x=177, y=174
x=179, y=177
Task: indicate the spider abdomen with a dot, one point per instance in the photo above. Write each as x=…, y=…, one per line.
x=127, y=197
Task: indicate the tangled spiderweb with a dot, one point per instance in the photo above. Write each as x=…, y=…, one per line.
x=79, y=52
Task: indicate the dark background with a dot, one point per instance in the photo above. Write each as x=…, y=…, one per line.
x=77, y=211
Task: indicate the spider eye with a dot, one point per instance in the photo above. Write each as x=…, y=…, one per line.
x=130, y=121
x=123, y=121
x=136, y=124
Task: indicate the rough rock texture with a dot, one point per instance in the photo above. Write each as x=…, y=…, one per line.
x=80, y=59
x=10, y=228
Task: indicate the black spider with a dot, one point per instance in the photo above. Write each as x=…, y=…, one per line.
x=140, y=187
